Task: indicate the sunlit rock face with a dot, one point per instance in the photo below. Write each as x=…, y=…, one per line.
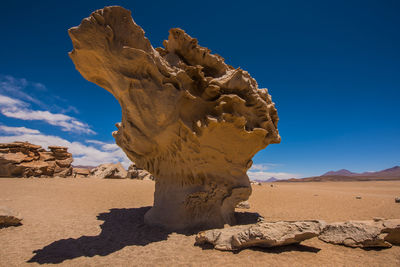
x=191, y=120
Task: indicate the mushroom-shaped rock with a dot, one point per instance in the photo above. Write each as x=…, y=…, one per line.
x=188, y=118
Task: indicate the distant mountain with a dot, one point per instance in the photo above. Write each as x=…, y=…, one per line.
x=342, y=172
x=272, y=179
x=345, y=175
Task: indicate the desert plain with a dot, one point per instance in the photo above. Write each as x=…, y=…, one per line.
x=99, y=222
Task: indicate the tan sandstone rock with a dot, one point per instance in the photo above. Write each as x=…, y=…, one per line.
x=22, y=159
x=80, y=172
x=188, y=118
x=263, y=234
x=9, y=217
x=377, y=233
x=109, y=170
x=243, y=205
x=135, y=172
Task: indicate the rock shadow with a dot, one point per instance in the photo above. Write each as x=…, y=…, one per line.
x=121, y=228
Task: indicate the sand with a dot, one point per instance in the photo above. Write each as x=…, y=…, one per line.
x=95, y=222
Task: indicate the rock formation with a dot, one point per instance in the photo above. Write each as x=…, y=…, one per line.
x=263, y=234
x=365, y=234
x=22, y=159
x=135, y=172
x=109, y=170
x=9, y=218
x=188, y=118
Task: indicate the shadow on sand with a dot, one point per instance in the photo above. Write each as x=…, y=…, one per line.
x=121, y=228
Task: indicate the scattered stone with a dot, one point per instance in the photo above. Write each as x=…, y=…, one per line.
x=109, y=170
x=186, y=114
x=365, y=234
x=397, y=200
x=135, y=172
x=243, y=205
x=263, y=234
x=358, y=197
x=255, y=183
x=80, y=172
x=23, y=159
x=9, y=218
x=272, y=185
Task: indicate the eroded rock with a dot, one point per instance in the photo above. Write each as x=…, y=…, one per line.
x=365, y=234
x=22, y=159
x=80, y=172
x=263, y=234
x=109, y=170
x=9, y=217
x=188, y=118
x=135, y=172
x=243, y=205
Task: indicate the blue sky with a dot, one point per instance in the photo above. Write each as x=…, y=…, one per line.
x=332, y=68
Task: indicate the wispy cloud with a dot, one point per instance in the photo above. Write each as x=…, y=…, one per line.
x=18, y=130
x=84, y=154
x=18, y=109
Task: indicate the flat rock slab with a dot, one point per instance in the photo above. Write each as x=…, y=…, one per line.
x=263, y=234
x=9, y=218
x=378, y=233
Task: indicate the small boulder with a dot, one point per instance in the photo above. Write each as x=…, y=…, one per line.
x=109, y=170
x=135, y=172
x=397, y=200
x=9, y=218
x=243, y=205
x=80, y=172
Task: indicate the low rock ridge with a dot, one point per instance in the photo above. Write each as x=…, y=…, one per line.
x=377, y=233
x=23, y=159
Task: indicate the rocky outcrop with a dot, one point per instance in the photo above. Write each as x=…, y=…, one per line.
x=80, y=172
x=109, y=170
x=135, y=172
x=365, y=234
x=22, y=159
x=9, y=218
x=188, y=118
x=263, y=234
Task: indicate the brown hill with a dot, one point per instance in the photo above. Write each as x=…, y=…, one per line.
x=345, y=175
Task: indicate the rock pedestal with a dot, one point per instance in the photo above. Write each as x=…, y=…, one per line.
x=190, y=119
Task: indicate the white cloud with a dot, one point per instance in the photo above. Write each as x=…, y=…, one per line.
x=263, y=176
x=6, y=101
x=15, y=108
x=259, y=172
x=83, y=154
x=18, y=130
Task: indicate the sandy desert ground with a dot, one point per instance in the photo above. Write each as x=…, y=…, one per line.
x=95, y=222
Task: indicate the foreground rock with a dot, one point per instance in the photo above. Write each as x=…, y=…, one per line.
x=186, y=114
x=22, y=159
x=9, y=218
x=135, y=172
x=264, y=234
x=109, y=170
x=365, y=234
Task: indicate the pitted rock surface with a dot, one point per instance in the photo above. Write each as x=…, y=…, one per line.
x=190, y=119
